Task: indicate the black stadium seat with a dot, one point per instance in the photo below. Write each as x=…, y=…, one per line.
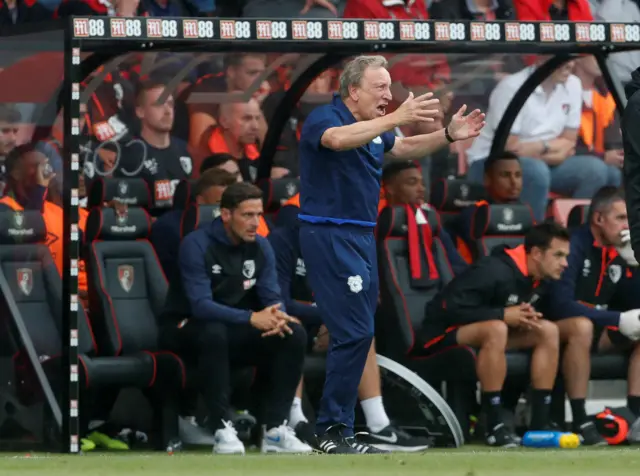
x=402, y=310
x=196, y=215
x=130, y=191
x=276, y=192
x=450, y=196
x=496, y=225
x=578, y=216
x=36, y=288
x=183, y=196
x=127, y=290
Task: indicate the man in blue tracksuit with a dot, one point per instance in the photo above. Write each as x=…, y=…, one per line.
x=224, y=309
x=341, y=152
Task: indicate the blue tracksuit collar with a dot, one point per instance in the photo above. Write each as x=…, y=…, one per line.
x=217, y=232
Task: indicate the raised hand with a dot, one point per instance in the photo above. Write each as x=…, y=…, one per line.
x=464, y=127
x=418, y=109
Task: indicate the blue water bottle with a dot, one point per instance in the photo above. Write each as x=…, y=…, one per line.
x=550, y=439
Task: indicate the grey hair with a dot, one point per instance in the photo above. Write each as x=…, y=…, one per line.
x=604, y=199
x=354, y=70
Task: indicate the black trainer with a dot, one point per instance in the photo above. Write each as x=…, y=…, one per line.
x=358, y=443
x=501, y=437
x=306, y=433
x=391, y=438
x=589, y=435
x=334, y=443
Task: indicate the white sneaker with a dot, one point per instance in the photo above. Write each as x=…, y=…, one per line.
x=283, y=439
x=227, y=441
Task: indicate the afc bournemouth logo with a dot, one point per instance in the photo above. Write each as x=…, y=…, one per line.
x=123, y=188
x=248, y=268
x=122, y=217
x=125, y=276
x=507, y=215
x=25, y=280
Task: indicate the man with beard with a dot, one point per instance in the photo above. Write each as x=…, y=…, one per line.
x=157, y=157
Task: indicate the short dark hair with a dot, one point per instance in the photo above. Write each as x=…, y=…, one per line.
x=392, y=169
x=14, y=156
x=214, y=178
x=237, y=193
x=148, y=85
x=541, y=235
x=603, y=199
x=9, y=114
x=492, y=160
x=215, y=160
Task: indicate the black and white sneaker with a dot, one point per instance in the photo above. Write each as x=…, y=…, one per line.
x=334, y=443
x=394, y=439
x=589, y=435
x=358, y=443
x=501, y=437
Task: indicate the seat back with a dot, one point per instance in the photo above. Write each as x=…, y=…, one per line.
x=578, y=216
x=36, y=287
x=276, y=192
x=496, y=225
x=402, y=303
x=559, y=208
x=450, y=196
x=183, y=196
x=127, y=287
x=133, y=192
x=197, y=215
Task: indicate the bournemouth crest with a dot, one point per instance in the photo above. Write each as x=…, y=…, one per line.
x=125, y=276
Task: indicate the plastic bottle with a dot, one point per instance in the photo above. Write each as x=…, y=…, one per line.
x=550, y=439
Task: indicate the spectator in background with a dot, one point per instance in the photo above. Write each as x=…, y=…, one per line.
x=9, y=120
x=479, y=10
x=111, y=8
x=622, y=64
x=293, y=8
x=242, y=72
x=599, y=127
x=553, y=10
x=166, y=8
x=544, y=136
x=16, y=12
x=237, y=135
x=160, y=159
x=166, y=230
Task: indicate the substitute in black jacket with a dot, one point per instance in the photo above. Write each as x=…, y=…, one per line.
x=596, y=279
x=490, y=307
x=631, y=142
x=224, y=309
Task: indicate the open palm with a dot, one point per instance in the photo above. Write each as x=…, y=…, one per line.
x=464, y=127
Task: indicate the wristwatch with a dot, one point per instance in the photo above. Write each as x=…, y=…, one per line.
x=545, y=145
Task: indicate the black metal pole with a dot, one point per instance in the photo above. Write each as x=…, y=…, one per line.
x=71, y=236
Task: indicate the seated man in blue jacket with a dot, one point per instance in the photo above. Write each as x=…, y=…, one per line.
x=224, y=309
x=596, y=279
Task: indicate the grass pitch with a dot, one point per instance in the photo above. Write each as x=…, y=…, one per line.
x=468, y=461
